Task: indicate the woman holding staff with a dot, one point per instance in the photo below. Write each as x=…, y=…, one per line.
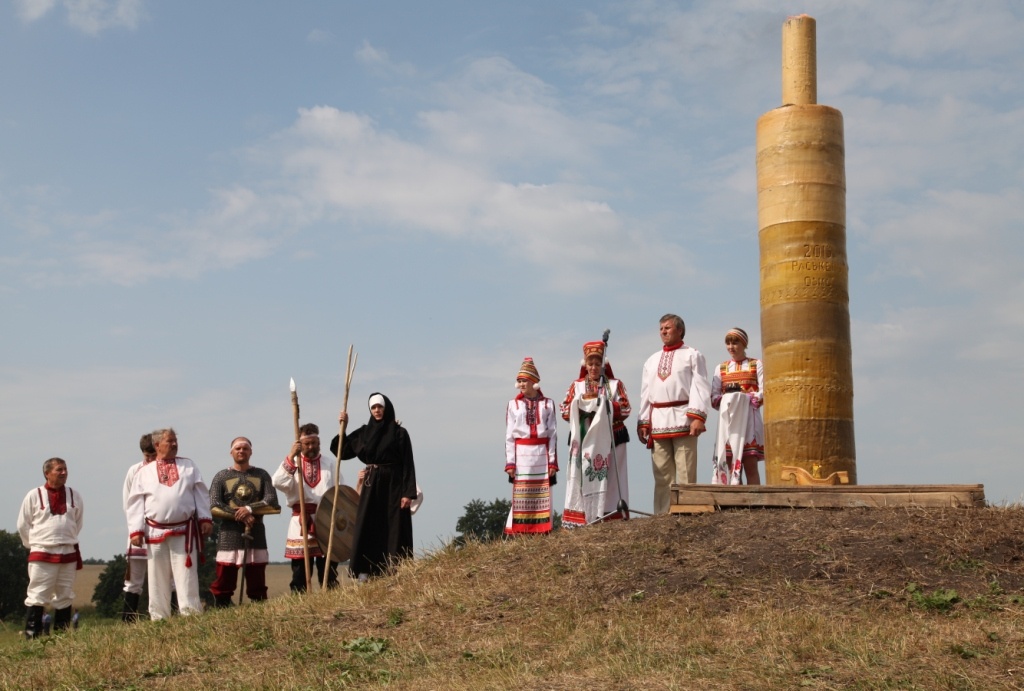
x=598, y=477
x=384, y=519
x=531, y=456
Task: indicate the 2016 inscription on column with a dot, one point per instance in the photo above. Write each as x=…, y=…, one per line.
x=804, y=271
x=816, y=257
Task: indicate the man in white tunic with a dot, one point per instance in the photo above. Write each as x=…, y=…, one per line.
x=49, y=523
x=169, y=511
x=135, y=576
x=675, y=397
x=316, y=478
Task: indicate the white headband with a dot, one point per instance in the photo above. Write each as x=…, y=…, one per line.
x=377, y=399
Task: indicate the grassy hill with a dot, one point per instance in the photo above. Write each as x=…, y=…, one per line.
x=745, y=599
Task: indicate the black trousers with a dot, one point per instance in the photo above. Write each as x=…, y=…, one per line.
x=298, y=584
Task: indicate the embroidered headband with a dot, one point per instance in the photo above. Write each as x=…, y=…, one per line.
x=738, y=333
x=245, y=439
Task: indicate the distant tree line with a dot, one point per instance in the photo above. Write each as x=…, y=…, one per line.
x=485, y=522
x=13, y=575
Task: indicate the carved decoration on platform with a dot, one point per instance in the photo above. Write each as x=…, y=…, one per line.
x=799, y=476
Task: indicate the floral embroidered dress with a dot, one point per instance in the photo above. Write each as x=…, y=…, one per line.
x=734, y=388
x=598, y=475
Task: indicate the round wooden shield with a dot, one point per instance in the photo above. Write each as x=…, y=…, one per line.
x=344, y=522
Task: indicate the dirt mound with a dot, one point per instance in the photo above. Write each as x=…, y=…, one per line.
x=860, y=552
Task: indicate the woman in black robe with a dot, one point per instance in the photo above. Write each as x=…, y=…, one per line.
x=384, y=521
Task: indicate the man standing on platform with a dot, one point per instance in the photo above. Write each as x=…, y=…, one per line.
x=675, y=397
x=316, y=478
x=135, y=576
x=169, y=512
x=49, y=523
x=241, y=496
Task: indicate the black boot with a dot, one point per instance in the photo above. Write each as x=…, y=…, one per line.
x=62, y=619
x=298, y=583
x=34, y=622
x=130, y=613
x=222, y=600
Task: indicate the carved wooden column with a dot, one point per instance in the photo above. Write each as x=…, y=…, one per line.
x=805, y=316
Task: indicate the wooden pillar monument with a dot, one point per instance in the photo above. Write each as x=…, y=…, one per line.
x=805, y=316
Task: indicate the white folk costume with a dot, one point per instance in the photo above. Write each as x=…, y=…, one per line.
x=598, y=476
x=318, y=479
x=167, y=505
x=531, y=452
x=135, y=574
x=734, y=389
x=49, y=523
x=674, y=390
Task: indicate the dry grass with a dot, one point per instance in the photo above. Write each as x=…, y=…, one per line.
x=278, y=578
x=733, y=600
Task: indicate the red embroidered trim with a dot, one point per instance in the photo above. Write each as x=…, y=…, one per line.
x=166, y=472
x=665, y=362
x=311, y=470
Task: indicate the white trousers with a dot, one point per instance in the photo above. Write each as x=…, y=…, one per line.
x=167, y=567
x=50, y=584
x=136, y=575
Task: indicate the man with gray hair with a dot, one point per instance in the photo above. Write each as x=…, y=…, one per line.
x=675, y=397
x=49, y=523
x=168, y=510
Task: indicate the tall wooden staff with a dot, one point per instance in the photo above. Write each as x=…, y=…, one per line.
x=302, y=480
x=350, y=368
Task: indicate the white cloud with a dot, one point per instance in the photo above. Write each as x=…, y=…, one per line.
x=88, y=16
x=333, y=165
x=378, y=59
x=31, y=10
x=318, y=36
x=94, y=16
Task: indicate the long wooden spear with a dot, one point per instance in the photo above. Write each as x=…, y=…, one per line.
x=350, y=368
x=302, y=481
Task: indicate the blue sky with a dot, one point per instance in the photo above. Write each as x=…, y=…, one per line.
x=199, y=201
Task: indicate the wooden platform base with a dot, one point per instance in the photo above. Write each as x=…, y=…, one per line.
x=704, y=498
